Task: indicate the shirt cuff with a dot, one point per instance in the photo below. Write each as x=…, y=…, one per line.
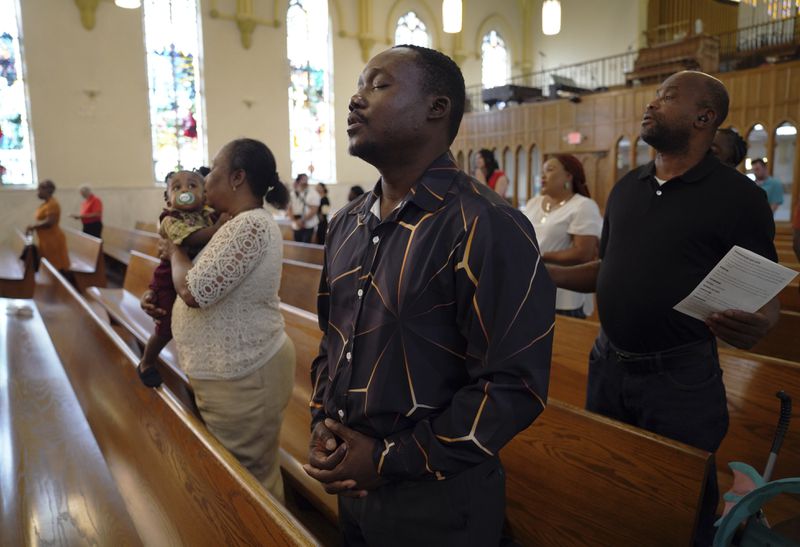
x=400, y=457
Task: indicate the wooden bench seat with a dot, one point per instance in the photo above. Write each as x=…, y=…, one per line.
x=310, y=253
x=59, y=489
x=750, y=382
x=146, y=226
x=790, y=296
x=119, y=242
x=300, y=284
x=783, y=341
x=559, y=468
x=180, y=485
x=86, y=259
x=16, y=276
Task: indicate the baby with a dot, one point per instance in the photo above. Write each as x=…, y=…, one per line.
x=188, y=222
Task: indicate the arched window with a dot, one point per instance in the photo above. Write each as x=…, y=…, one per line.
x=310, y=89
x=642, y=152
x=16, y=154
x=172, y=43
x=494, y=60
x=756, y=148
x=783, y=166
x=510, y=168
x=536, y=169
x=623, y=157
x=522, y=177
x=411, y=30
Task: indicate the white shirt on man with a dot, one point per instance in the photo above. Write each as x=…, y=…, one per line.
x=579, y=216
x=302, y=201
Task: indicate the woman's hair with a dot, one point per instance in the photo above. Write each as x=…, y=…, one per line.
x=49, y=184
x=255, y=159
x=489, y=162
x=324, y=188
x=574, y=167
x=738, y=146
x=203, y=171
x=356, y=191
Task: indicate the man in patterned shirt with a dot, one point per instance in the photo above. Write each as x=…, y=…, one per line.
x=437, y=319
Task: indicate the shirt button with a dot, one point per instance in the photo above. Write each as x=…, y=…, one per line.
x=376, y=239
x=349, y=356
x=341, y=414
x=658, y=192
x=360, y=293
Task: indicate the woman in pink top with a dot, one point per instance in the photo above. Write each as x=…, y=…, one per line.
x=489, y=172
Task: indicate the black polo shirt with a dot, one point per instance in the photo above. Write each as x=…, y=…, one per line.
x=659, y=242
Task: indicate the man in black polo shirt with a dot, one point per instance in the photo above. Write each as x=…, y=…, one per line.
x=667, y=224
x=437, y=316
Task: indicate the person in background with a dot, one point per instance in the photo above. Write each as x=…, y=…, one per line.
x=51, y=240
x=305, y=207
x=324, y=210
x=91, y=213
x=770, y=185
x=354, y=192
x=227, y=322
x=568, y=225
x=652, y=366
x=489, y=173
x=729, y=147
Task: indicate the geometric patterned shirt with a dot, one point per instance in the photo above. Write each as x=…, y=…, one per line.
x=437, y=325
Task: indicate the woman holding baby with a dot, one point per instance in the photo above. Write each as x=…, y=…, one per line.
x=227, y=322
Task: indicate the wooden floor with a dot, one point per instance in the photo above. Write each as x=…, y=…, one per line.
x=55, y=487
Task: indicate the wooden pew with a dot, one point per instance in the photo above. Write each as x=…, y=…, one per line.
x=146, y=226
x=310, y=253
x=286, y=228
x=16, y=276
x=300, y=284
x=790, y=296
x=558, y=469
x=60, y=491
x=783, y=341
x=123, y=307
x=750, y=382
x=86, y=259
x=180, y=485
x=119, y=242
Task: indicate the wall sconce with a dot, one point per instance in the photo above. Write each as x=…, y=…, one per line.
x=451, y=16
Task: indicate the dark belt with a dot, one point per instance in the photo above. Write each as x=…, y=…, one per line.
x=668, y=359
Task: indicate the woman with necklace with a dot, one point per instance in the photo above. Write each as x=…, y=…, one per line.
x=568, y=225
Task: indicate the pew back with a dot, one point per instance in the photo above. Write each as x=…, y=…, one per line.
x=300, y=284
x=310, y=253
x=16, y=276
x=86, y=259
x=181, y=487
x=119, y=242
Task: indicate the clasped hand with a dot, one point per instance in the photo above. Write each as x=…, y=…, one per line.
x=341, y=459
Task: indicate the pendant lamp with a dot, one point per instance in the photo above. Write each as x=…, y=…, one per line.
x=128, y=4
x=551, y=17
x=451, y=15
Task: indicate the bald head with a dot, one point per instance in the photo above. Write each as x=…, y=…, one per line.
x=710, y=93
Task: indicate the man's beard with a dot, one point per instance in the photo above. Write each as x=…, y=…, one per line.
x=666, y=139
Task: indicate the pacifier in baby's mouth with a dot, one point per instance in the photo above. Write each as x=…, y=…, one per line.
x=186, y=198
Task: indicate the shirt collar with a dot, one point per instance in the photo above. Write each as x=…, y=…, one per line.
x=429, y=191
x=697, y=172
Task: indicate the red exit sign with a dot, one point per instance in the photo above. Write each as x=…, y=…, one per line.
x=574, y=137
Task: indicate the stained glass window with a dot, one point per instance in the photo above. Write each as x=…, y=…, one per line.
x=310, y=90
x=16, y=155
x=494, y=60
x=172, y=41
x=411, y=30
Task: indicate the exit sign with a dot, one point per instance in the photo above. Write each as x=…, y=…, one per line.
x=574, y=137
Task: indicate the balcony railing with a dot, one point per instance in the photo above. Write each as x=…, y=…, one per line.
x=743, y=48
